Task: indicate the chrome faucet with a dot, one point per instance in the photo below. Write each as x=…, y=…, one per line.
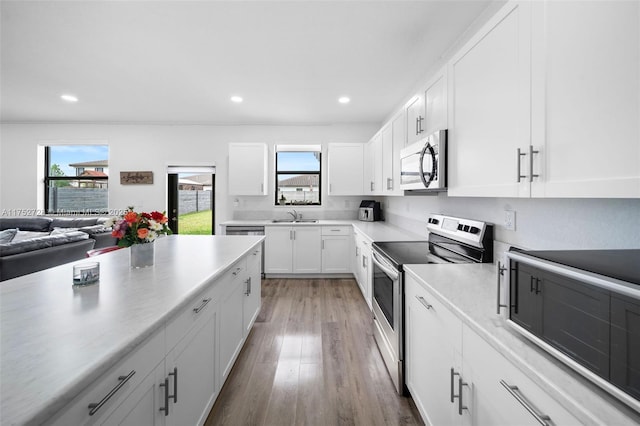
x=294, y=214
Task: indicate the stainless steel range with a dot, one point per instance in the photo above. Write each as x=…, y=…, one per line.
x=451, y=240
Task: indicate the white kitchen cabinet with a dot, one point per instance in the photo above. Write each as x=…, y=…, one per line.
x=336, y=244
x=433, y=357
x=143, y=406
x=415, y=119
x=231, y=319
x=586, y=99
x=345, y=168
x=191, y=369
x=127, y=379
x=393, y=140
x=373, y=165
x=248, y=169
x=502, y=394
x=490, y=107
x=293, y=249
x=253, y=290
x=435, y=103
x=363, y=267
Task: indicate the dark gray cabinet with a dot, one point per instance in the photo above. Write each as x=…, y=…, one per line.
x=569, y=315
x=625, y=344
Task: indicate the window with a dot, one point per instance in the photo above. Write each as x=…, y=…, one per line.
x=298, y=175
x=76, y=179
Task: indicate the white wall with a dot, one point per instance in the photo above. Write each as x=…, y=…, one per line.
x=153, y=147
x=540, y=223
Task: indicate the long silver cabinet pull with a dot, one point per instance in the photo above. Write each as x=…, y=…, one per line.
x=453, y=374
x=94, y=407
x=520, y=154
x=500, y=273
x=165, y=385
x=262, y=187
x=461, y=406
x=543, y=419
x=202, y=305
x=531, y=152
x=248, y=283
x=389, y=183
x=175, y=385
x=424, y=302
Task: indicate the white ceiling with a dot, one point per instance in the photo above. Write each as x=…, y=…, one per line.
x=181, y=61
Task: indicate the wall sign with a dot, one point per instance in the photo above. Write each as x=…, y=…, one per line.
x=136, y=178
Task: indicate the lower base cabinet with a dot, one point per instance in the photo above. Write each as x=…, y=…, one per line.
x=457, y=378
x=174, y=377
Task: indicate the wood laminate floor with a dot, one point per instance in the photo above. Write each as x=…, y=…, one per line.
x=311, y=360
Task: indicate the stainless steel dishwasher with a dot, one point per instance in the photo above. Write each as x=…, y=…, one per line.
x=247, y=230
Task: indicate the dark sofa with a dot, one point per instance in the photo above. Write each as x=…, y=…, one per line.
x=43, y=242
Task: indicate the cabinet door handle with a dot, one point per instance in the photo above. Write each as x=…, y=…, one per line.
x=501, y=270
x=416, y=125
x=531, y=152
x=537, y=286
x=461, y=406
x=453, y=374
x=520, y=154
x=420, y=129
x=389, y=183
x=372, y=186
x=202, y=305
x=322, y=244
x=175, y=385
x=543, y=419
x=424, y=302
x=94, y=407
x=357, y=251
x=248, y=282
x=262, y=187
x=165, y=385
x=237, y=271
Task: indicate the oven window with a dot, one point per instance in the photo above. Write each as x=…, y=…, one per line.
x=383, y=293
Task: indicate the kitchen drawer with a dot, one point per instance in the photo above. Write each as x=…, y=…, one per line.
x=502, y=394
x=336, y=230
x=197, y=311
x=136, y=366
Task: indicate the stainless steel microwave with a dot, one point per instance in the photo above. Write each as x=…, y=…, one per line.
x=423, y=165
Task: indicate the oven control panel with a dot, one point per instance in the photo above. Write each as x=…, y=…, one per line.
x=470, y=231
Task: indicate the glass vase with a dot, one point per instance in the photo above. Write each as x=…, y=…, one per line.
x=142, y=255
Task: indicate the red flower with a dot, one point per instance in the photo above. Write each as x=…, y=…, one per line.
x=159, y=217
x=131, y=217
x=145, y=215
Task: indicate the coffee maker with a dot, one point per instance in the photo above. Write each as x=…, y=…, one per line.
x=369, y=211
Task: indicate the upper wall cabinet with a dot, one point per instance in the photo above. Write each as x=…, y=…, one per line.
x=415, y=119
x=586, y=99
x=346, y=172
x=490, y=107
x=373, y=165
x=435, y=103
x=393, y=140
x=248, y=169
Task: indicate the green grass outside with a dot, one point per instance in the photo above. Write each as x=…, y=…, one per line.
x=196, y=223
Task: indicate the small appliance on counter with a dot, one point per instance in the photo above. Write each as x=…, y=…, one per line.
x=369, y=211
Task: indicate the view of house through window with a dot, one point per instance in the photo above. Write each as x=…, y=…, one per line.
x=76, y=179
x=297, y=175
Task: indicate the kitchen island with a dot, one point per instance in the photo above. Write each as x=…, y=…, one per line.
x=58, y=342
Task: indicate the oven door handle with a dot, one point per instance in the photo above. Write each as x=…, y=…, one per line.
x=393, y=274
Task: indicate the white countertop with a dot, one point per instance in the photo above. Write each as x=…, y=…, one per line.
x=375, y=231
x=469, y=290
x=56, y=339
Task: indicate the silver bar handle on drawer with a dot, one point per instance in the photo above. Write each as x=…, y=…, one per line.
x=202, y=305
x=520, y=154
x=543, y=419
x=501, y=270
x=175, y=385
x=94, y=407
x=531, y=152
x=165, y=385
x=248, y=282
x=424, y=302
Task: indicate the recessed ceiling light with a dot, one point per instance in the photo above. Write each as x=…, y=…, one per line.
x=344, y=100
x=236, y=99
x=69, y=98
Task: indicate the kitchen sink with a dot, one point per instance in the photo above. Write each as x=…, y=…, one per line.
x=294, y=221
